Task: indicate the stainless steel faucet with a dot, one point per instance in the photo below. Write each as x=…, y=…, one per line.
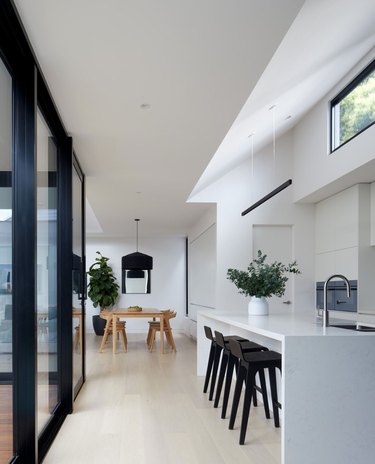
x=325, y=319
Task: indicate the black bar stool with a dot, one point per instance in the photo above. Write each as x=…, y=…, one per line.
x=227, y=365
x=251, y=363
x=214, y=359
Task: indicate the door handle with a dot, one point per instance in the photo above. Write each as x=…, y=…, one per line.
x=287, y=302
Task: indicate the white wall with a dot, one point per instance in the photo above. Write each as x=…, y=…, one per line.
x=314, y=168
x=202, y=268
x=167, y=277
x=235, y=193
x=302, y=155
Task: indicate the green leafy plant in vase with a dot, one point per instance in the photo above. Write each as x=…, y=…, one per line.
x=262, y=280
x=103, y=289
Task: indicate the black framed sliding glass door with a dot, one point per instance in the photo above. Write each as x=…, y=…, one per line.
x=46, y=285
x=6, y=246
x=78, y=278
x=38, y=321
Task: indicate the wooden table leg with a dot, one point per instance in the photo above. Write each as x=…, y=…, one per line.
x=105, y=335
x=162, y=334
x=79, y=338
x=114, y=333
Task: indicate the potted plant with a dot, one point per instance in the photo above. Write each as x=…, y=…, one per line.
x=262, y=280
x=102, y=289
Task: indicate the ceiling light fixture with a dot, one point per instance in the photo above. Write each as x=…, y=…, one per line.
x=137, y=260
x=280, y=187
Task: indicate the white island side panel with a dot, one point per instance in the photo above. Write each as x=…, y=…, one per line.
x=328, y=400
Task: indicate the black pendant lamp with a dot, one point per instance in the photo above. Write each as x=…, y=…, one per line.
x=137, y=260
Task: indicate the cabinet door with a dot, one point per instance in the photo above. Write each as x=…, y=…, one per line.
x=336, y=221
x=346, y=262
x=337, y=262
x=324, y=265
x=325, y=226
x=346, y=209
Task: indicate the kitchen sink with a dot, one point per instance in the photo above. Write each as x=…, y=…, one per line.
x=357, y=327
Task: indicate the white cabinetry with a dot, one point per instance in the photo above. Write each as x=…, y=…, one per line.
x=337, y=221
x=342, y=232
x=372, y=215
x=202, y=275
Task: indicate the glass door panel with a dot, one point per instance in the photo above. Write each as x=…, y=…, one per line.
x=6, y=313
x=78, y=284
x=47, y=321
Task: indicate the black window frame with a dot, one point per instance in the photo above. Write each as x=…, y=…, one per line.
x=29, y=91
x=340, y=96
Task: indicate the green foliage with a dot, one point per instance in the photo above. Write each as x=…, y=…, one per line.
x=103, y=287
x=357, y=109
x=262, y=279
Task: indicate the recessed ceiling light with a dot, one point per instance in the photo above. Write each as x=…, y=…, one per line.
x=145, y=106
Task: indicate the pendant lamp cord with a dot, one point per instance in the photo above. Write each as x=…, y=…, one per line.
x=137, y=222
x=273, y=107
x=252, y=164
x=252, y=156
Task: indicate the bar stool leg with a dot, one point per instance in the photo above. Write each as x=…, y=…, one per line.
x=223, y=368
x=237, y=394
x=215, y=368
x=250, y=383
x=272, y=374
x=232, y=362
x=264, y=392
x=209, y=367
x=255, y=397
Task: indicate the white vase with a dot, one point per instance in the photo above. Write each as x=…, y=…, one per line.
x=258, y=306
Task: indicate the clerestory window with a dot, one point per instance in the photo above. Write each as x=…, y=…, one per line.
x=353, y=110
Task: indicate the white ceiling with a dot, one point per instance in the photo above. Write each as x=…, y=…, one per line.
x=194, y=64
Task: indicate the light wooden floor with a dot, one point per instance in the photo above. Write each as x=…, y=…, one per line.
x=139, y=407
x=6, y=423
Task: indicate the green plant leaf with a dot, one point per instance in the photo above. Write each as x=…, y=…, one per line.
x=103, y=287
x=262, y=279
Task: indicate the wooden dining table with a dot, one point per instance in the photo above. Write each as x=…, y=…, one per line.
x=120, y=313
x=77, y=314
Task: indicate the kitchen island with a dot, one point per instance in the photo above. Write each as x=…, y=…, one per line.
x=327, y=383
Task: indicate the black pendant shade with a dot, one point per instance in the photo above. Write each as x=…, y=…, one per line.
x=137, y=260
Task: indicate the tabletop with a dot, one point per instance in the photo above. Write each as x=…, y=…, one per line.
x=118, y=313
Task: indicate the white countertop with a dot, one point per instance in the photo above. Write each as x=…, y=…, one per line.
x=286, y=324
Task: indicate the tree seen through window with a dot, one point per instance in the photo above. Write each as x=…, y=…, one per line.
x=354, y=112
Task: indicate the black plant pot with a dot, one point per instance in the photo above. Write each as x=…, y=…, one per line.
x=98, y=324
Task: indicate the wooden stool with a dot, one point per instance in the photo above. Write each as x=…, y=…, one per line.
x=251, y=363
x=214, y=360
x=154, y=326
x=77, y=337
x=119, y=329
x=228, y=362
